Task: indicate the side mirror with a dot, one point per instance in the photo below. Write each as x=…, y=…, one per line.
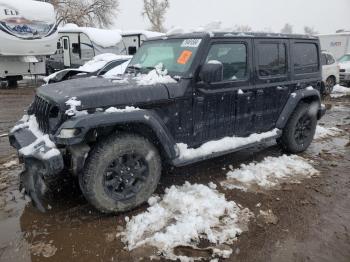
x=212, y=72
x=59, y=45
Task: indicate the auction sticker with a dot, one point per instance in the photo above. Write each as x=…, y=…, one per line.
x=184, y=57
x=191, y=42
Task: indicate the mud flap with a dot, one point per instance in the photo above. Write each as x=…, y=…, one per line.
x=31, y=180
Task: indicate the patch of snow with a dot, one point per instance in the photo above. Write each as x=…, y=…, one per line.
x=214, y=62
x=224, y=144
x=102, y=37
x=10, y=164
x=293, y=95
x=309, y=88
x=123, y=110
x=73, y=103
x=269, y=173
x=240, y=92
x=324, y=132
x=156, y=76
x=339, y=91
x=183, y=217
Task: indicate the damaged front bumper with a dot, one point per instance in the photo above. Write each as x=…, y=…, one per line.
x=41, y=159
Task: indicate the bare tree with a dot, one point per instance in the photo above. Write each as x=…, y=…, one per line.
x=155, y=11
x=310, y=30
x=243, y=28
x=99, y=13
x=287, y=29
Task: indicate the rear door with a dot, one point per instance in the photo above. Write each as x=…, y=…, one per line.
x=272, y=81
x=215, y=106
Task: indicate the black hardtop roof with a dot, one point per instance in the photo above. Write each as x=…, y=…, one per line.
x=238, y=35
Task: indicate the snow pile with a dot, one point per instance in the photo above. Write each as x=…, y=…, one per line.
x=269, y=173
x=339, y=91
x=102, y=37
x=117, y=71
x=99, y=61
x=324, y=132
x=125, y=110
x=73, y=103
x=42, y=140
x=156, y=76
x=224, y=144
x=183, y=217
x=10, y=164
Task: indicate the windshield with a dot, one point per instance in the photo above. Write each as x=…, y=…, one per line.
x=344, y=58
x=176, y=55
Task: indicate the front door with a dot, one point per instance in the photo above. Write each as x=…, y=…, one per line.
x=66, y=52
x=215, y=105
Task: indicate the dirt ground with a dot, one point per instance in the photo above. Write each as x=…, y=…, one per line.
x=311, y=222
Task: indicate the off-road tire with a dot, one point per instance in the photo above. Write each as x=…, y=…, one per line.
x=107, y=151
x=288, y=140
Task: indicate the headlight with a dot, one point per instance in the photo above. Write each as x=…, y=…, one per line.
x=69, y=133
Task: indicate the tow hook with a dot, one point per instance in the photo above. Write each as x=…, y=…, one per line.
x=33, y=184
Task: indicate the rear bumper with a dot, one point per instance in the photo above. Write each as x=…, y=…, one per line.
x=32, y=148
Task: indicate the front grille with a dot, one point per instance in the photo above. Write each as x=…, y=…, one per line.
x=41, y=109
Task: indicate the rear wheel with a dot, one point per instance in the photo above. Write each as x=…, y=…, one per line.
x=121, y=173
x=329, y=85
x=300, y=129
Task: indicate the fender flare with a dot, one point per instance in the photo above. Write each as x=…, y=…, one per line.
x=92, y=121
x=293, y=101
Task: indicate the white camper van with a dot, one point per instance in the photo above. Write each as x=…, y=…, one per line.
x=28, y=34
x=77, y=45
x=338, y=44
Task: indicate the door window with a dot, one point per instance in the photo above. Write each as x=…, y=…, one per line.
x=233, y=57
x=272, y=59
x=305, y=58
x=323, y=59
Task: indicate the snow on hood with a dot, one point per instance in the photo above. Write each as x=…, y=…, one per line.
x=100, y=61
x=156, y=76
x=184, y=216
x=102, y=37
x=345, y=65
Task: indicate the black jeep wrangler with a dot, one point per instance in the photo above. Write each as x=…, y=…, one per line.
x=184, y=98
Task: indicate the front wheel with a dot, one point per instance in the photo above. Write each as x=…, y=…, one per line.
x=121, y=173
x=300, y=129
x=329, y=85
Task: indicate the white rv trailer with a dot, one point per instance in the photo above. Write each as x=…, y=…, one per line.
x=77, y=45
x=338, y=44
x=28, y=34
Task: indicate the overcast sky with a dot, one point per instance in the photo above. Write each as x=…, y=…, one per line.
x=325, y=16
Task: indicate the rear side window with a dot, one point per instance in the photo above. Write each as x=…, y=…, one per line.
x=305, y=58
x=330, y=59
x=272, y=59
x=323, y=59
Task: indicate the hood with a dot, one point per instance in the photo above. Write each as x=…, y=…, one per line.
x=101, y=93
x=345, y=65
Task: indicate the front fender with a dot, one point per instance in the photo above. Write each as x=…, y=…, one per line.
x=293, y=101
x=147, y=117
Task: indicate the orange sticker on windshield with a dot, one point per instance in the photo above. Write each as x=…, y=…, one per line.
x=184, y=57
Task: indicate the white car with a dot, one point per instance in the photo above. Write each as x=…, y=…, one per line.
x=344, y=64
x=330, y=73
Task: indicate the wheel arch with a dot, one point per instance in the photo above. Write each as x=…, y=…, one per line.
x=299, y=96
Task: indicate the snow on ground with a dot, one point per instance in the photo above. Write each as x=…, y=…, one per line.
x=184, y=216
x=324, y=132
x=224, y=144
x=42, y=139
x=269, y=173
x=10, y=164
x=156, y=76
x=339, y=91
